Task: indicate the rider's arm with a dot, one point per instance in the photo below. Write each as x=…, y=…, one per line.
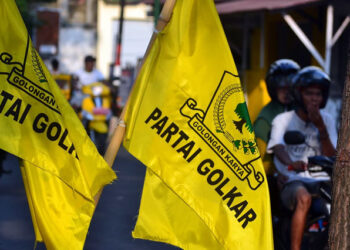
x=326, y=144
x=283, y=157
x=276, y=143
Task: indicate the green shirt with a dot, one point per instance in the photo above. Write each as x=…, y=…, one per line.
x=262, y=128
x=262, y=124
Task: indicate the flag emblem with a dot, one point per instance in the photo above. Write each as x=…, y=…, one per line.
x=17, y=79
x=223, y=128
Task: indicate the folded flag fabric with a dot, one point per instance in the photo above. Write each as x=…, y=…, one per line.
x=62, y=168
x=188, y=122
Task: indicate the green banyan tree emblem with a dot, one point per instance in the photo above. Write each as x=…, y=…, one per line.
x=242, y=112
x=247, y=145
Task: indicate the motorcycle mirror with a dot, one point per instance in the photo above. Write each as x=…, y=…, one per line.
x=294, y=137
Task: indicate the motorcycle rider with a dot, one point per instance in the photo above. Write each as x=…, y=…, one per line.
x=278, y=83
x=310, y=88
x=85, y=76
x=96, y=113
x=55, y=67
x=89, y=74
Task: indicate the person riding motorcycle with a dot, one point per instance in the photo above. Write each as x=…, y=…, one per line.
x=278, y=83
x=83, y=77
x=310, y=89
x=96, y=113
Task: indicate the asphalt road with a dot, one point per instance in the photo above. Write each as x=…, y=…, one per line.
x=111, y=226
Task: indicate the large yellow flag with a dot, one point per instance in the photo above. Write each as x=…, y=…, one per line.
x=187, y=121
x=63, y=170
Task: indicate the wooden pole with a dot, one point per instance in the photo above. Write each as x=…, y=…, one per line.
x=339, y=232
x=119, y=132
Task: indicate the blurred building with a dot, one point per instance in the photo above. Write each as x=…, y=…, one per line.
x=311, y=32
x=137, y=31
x=66, y=29
x=71, y=29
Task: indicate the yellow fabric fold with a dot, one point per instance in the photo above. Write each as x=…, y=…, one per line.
x=171, y=218
x=188, y=122
x=60, y=216
x=63, y=170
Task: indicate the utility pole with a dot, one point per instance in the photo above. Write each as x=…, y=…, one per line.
x=117, y=65
x=115, y=69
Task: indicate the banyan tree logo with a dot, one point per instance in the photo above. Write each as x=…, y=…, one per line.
x=226, y=128
x=247, y=145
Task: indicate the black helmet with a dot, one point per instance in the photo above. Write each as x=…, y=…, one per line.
x=311, y=76
x=279, y=75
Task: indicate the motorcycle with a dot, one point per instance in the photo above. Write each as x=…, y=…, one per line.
x=65, y=83
x=96, y=112
x=317, y=223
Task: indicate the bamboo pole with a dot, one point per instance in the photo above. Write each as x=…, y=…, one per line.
x=119, y=132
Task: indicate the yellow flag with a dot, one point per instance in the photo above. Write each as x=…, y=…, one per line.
x=187, y=121
x=60, y=217
x=164, y=216
x=37, y=233
x=63, y=170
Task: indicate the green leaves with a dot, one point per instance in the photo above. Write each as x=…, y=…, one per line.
x=242, y=112
x=249, y=147
x=237, y=143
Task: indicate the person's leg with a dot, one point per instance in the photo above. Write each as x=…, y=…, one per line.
x=303, y=202
x=2, y=159
x=100, y=143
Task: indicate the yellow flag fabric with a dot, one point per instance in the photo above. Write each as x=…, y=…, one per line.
x=165, y=217
x=38, y=236
x=64, y=171
x=187, y=121
x=60, y=217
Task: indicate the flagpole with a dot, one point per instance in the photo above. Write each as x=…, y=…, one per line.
x=119, y=132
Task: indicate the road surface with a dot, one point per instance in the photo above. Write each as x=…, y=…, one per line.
x=112, y=223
